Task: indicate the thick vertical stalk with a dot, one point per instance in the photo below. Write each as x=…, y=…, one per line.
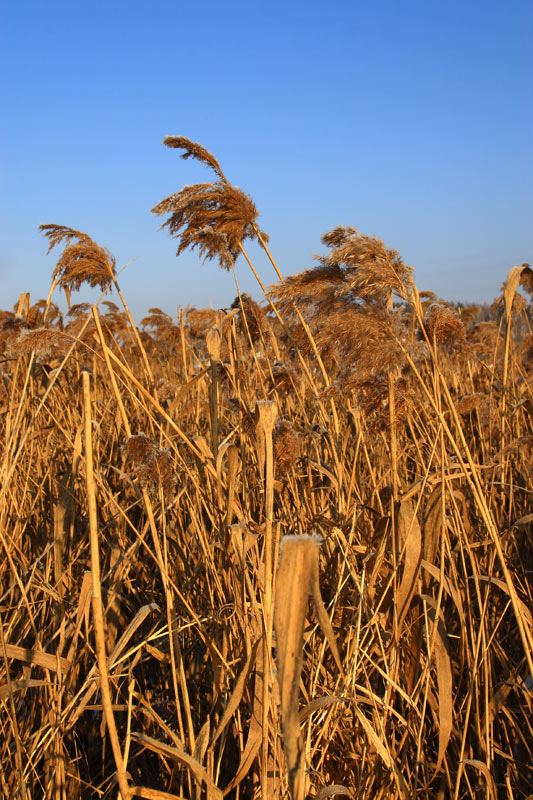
x=267, y=417
x=98, y=614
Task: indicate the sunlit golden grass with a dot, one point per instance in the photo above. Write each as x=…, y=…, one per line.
x=283, y=550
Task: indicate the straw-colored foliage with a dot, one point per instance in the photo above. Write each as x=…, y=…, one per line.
x=281, y=550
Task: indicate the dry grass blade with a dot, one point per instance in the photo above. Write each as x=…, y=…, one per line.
x=482, y=767
x=202, y=741
x=199, y=772
x=445, y=684
x=20, y=686
x=40, y=659
x=317, y=703
x=410, y=543
x=525, y=612
x=237, y=693
x=333, y=791
x=155, y=794
x=383, y=751
x=324, y=620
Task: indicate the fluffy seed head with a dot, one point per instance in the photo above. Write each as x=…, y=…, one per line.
x=82, y=260
x=444, y=326
x=287, y=445
x=153, y=465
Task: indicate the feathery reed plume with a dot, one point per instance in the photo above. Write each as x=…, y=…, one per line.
x=512, y=301
x=527, y=352
x=82, y=260
x=371, y=338
x=214, y=217
x=469, y=403
x=153, y=464
x=484, y=338
x=194, y=150
x=34, y=314
x=469, y=315
x=10, y=328
x=373, y=398
x=444, y=326
x=44, y=342
x=79, y=308
x=161, y=326
x=357, y=280
x=372, y=271
x=255, y=316
x=200, y=320
x=526, y=280
x=284, y=377
x=317, y=287
x=287, y=442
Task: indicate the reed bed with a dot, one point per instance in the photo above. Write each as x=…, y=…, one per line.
x=278, y=550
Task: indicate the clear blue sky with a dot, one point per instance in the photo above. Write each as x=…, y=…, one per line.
x=409, y=120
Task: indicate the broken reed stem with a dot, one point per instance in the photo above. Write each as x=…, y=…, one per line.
x=98, y=614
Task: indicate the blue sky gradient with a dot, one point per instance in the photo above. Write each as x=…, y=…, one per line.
x=411, y=121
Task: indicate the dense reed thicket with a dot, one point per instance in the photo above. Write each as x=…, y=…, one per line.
x=280, y=549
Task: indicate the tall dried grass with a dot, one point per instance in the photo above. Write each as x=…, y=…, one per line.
x=157, y=640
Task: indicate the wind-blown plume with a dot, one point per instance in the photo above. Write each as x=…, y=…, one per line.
x=82, y=260
x=194, y=150
x=214, y=217
x=358, y=269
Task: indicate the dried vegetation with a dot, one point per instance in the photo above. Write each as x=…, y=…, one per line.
x=173, y=495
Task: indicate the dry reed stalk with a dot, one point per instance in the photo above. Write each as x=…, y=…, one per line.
x=213, y=340
x=471, y=475
x=267, y=412
x=98, y=616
